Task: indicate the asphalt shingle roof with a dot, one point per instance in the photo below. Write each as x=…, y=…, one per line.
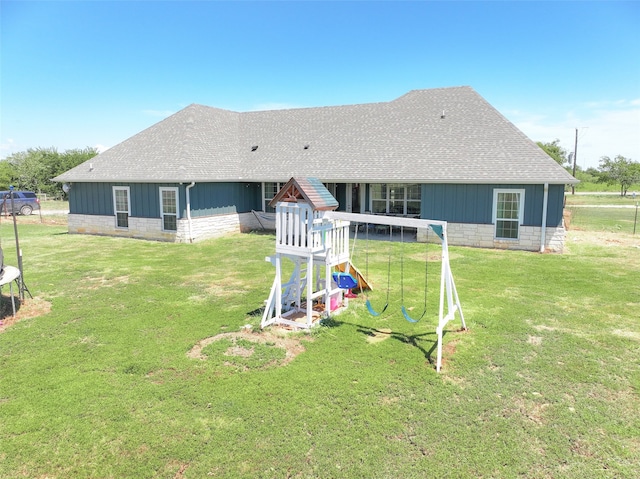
x=445, y=135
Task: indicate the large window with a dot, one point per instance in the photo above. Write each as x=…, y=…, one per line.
x=169, y=208
x=395, y=199
x=269, y=190
x=413, y=199
x=121, y=206
x=507, y=213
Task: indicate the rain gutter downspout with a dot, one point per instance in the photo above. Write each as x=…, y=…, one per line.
x=193, y=183
x=545, y=204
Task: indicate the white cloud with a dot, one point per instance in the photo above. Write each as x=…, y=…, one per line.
x=101, y=148
x=604, y=129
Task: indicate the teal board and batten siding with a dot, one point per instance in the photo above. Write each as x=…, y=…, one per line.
x=207, y=199
x=97, y=198
x=91, y=199
x=459, y=203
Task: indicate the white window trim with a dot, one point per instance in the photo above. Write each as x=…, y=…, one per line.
x=162, y=213
x=494, y=214
x=266, y=201
x=405, y=200
x=115, y=208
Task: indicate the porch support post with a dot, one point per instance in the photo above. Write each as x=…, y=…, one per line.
x=545, y=205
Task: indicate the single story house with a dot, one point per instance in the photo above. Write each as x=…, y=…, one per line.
x=442, y=154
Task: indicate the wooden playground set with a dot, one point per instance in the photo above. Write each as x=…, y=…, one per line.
x=316, y=239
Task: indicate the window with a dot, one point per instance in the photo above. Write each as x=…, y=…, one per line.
x=169, y=208
x=269, y=190
x=379, y=204
x=121, y=206
x=395, y=193
x=395, y=199
x=508, y=213
x=414, y=193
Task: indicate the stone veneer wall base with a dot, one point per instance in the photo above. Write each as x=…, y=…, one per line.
x=203, y=228
x=482, y=236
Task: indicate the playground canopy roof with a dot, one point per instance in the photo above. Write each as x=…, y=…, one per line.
x=443, y=135
x=309, y=190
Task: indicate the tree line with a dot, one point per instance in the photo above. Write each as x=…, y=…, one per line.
x=32, y=170
x=611, y=171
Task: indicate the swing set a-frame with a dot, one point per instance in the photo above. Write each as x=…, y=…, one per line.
x=315, y=238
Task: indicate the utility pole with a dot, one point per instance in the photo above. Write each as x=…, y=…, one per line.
x=575, y=159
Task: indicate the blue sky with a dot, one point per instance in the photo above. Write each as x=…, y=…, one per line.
x=93, y=73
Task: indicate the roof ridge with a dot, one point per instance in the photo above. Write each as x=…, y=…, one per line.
x=434, y=90
x=436, y=135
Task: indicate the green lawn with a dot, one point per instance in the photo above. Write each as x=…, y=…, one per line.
x=603, y=213
x=544, y=384
x=604, y=219
x=54, y=205
x=595, y=187
x=600, y=199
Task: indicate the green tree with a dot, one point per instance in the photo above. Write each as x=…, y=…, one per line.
x=33, y=169
x=64, y=162
x=593, y=172
x=555, y=151
x=620, y=171
x=29, y=168
x=7, y=173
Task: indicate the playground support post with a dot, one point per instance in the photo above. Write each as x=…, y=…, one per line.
x=448, y=293
x=18, y=251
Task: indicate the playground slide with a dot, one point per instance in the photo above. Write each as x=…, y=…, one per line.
x=355, y=272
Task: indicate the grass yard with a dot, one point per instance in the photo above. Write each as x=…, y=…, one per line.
x=112, y=370
x=48, y=205
x=603, y=213
x=614, y=220
x=599, y=200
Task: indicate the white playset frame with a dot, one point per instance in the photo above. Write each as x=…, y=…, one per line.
x=313, y=240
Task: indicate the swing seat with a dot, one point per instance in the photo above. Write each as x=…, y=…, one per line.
x=405, y=313
x=372, y=311
x=345, y=280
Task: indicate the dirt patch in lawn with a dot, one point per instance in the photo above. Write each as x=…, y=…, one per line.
x=448, y=349
x=292, y=345
x=602, y=238
x=378, y=335
x=29, y=308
